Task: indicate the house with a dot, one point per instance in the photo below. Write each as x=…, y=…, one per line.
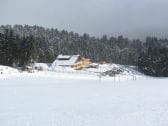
x=75, y=61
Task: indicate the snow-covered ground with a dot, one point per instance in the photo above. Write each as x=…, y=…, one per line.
x=128, y=72
x=64, y=99
x=8, y=70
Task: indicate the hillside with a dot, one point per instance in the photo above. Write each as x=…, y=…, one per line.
x=23, y=45
x=52, y=42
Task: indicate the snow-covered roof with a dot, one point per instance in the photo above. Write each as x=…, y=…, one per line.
x=65, y=60
x=63, y=57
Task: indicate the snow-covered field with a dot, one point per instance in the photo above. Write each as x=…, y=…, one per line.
x=64, y=99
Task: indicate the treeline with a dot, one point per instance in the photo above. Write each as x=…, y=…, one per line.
x=22, y=45
x=16, y=51
x=153, y=60
x=51, y=42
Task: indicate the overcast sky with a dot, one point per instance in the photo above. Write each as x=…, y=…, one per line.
x=95, y=17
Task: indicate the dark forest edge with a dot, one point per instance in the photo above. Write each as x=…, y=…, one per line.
x=22, y=45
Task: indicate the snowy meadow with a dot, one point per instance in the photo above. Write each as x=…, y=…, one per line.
x=60, y=100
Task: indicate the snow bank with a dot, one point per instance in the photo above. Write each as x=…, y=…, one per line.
x=8, y=70
x=125, y=70
x=63, y=69
x=42, y=66
x=128, y=73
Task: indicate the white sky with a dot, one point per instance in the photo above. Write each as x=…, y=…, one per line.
x=96, y=17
